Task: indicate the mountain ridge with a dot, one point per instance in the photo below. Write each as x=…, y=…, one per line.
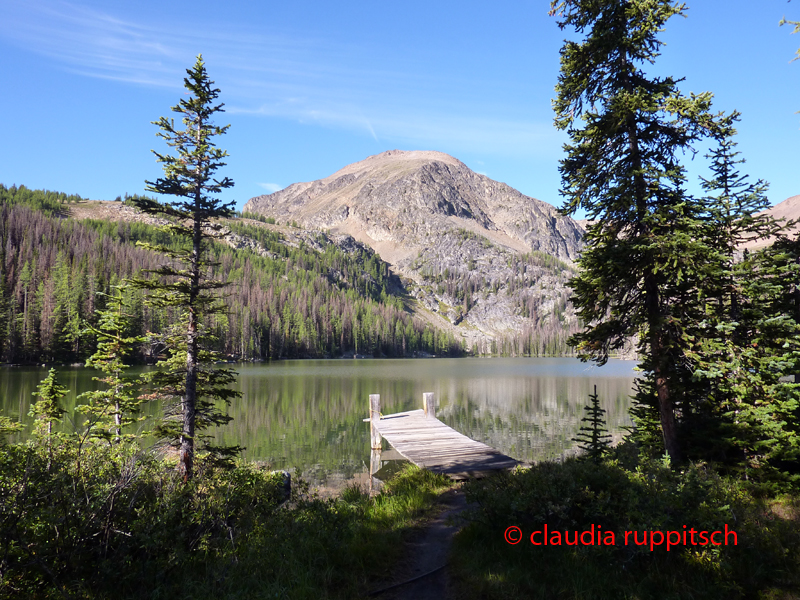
x=452, y=189
x=463, y=242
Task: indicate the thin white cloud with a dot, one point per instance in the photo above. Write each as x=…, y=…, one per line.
x=307, y=80
x=90, y=43
x=428, y=131
x=271, y=187
x=371, y=130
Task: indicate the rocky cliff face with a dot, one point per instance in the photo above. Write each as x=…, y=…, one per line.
x=473, y=251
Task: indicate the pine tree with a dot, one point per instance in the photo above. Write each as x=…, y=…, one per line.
x=762, y=417
x=47, y=409
x=593, y=438
x=628, y=131
x=188, y=177
x=725, y=348
x=734, y=205
x=117, y=405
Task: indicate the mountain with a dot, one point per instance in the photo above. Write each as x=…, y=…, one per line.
x=789, y=210
x=474, y=252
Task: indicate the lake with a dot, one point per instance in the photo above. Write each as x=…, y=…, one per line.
x=308, y=414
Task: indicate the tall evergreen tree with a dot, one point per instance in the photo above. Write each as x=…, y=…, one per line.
x=732, y=361
x=628, y=131
x=189, y=177
x=763, y=414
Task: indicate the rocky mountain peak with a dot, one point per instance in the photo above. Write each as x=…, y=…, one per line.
x=374, y=199
x=427, y=214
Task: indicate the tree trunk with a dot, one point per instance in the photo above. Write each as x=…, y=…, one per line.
x=189, y=400
x=653, y=314
x=666, y=408
x=666, y=412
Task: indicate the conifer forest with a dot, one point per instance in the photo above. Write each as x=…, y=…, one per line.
x=289, y=302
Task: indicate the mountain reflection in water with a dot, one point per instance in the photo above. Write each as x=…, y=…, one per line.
x=308, y=414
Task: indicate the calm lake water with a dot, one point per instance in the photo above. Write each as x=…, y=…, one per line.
x=308, y=414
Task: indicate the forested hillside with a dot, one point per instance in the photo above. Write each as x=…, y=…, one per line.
x=313, y=299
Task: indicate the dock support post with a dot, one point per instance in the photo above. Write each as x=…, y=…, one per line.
x=374, y=417
x=374, y=467
x=429, y=405
x=375, y=438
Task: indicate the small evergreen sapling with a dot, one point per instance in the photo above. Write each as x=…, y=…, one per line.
x=116, y=406
x=593, y=438
x=48, y=409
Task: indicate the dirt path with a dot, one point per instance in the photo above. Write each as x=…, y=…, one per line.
x=429, y=549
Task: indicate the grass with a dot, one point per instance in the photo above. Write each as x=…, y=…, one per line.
x=328, y=548
x=406, y=498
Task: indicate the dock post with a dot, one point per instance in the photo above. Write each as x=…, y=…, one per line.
x=374, y=467
x=374, y=417
x=375, y=437
x=429, y=405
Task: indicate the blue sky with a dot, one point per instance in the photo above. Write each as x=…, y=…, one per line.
x=311, y=86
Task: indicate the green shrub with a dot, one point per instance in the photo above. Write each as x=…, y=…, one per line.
x=88, y=519
x=105, y=518
x=577, y=495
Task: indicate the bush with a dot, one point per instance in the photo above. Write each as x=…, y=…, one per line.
x=89, y=519
x=101, y=517
x=577, y=496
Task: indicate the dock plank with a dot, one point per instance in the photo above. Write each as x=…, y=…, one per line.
x=432, y=445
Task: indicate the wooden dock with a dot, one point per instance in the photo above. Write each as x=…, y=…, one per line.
x=421, y=438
